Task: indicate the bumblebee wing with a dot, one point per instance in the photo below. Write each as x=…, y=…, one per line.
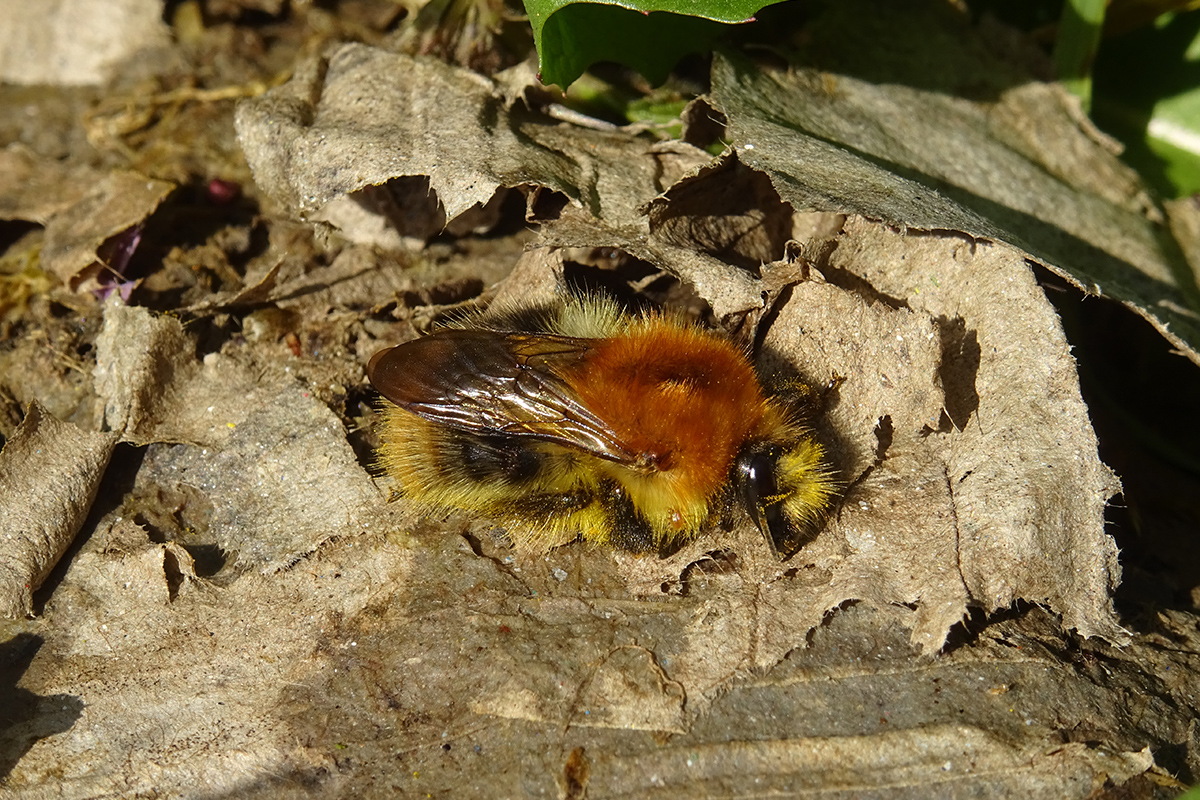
x=489, y=382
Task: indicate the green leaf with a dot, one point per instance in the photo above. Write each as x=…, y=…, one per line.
x=1173, y=135
x=1146, y=94
x=648, y=35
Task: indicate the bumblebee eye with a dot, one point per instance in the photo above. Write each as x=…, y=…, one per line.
x=756, y=470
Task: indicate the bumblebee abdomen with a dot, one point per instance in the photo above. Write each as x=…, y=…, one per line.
x=514, y=480
x=488, y=458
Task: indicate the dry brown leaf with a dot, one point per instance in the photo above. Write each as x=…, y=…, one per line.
x=39, y=188
x=49, y=473
x=144, y=363
x=362, y=116
x=726, y=210
x=72, y=42
x=115, y=203
x=1029, y=488
x=1025, y=169
x=1184, y=217
x=339, y=677
x=371, y=116
x=272, y=458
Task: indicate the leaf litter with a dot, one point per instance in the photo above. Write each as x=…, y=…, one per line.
x=346, y=644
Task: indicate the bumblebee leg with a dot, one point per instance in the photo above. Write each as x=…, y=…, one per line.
x=628, y=530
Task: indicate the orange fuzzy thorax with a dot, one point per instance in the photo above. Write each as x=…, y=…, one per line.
x=681, y=399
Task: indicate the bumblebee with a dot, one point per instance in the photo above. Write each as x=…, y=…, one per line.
x=580, y=420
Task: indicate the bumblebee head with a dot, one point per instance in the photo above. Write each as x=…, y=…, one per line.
x=786, y=489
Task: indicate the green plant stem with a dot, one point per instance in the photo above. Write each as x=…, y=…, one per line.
x=1078, y=38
